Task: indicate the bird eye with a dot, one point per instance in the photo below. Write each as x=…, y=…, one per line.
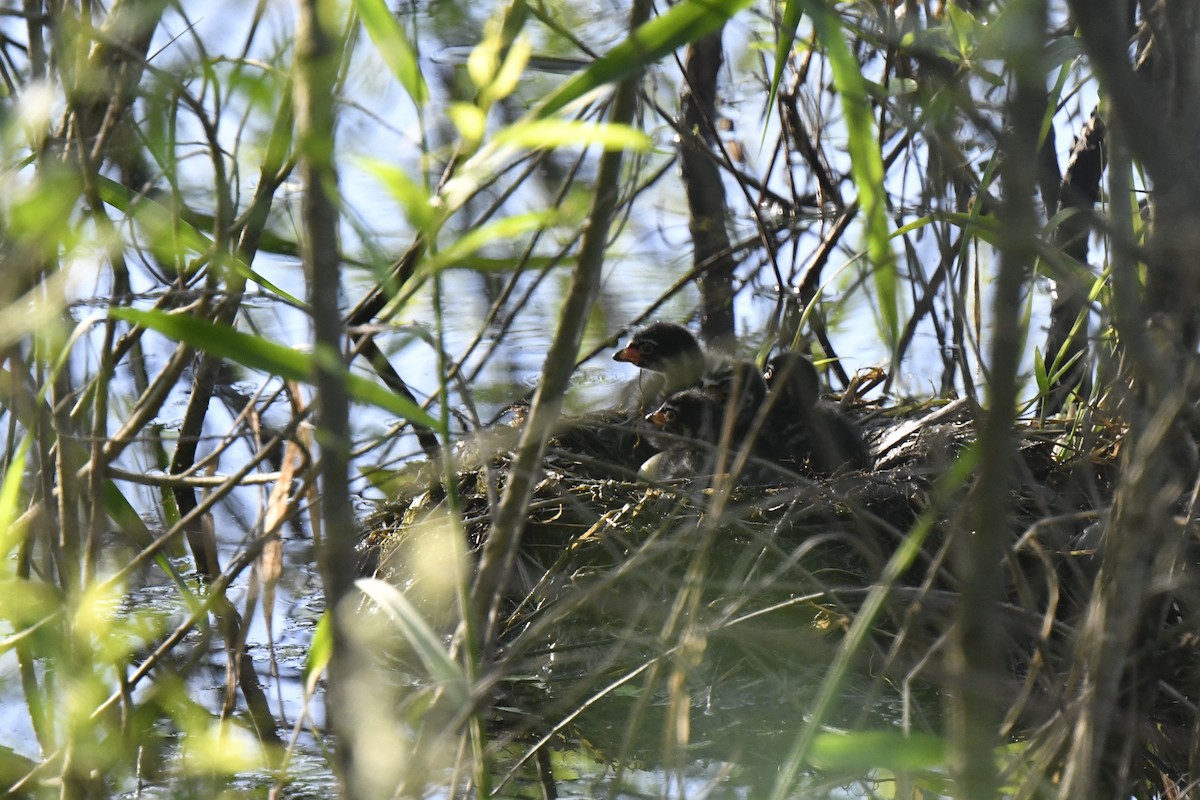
x=670, y=414
x=646, y=348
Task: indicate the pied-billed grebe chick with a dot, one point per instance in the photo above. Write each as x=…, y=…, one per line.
x=691, y=423
x=670, y=351
x=738, y=384
x=692, y=414
x=805, y=429
x=607, y=442
x=663, y=347
x=794, y=377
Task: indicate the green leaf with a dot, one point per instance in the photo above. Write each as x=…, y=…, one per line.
x=155, y=219
x=484, y=264
x=464, y=248
x=27, y=601
x=973, y=222
x=416, y=631
x=126, y=519
x=1062, y=364
x=264, y=355
x=919, y=222
x=484, y=61
x=686, y=22
x=498, y=61
x=506, y=79
x=964, y=28
x=1063, y=50
x=160, y=224
x=1039, y=372
x=1059, y=218
x=320, y=652
x=394, y=47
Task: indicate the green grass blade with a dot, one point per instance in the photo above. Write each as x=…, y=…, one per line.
x=416, y=631
x=861, y=627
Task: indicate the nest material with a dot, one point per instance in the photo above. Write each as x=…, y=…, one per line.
x=579, y=507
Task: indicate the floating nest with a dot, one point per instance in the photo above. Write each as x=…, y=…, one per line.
x=826, y=539
x=1065, y=478
x=778, y=571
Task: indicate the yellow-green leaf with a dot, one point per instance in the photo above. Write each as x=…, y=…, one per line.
x=470, y=121
x=411, y=195
x=860, y=751
x=544, y=133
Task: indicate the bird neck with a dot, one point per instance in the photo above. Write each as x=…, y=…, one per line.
x=684, y=372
